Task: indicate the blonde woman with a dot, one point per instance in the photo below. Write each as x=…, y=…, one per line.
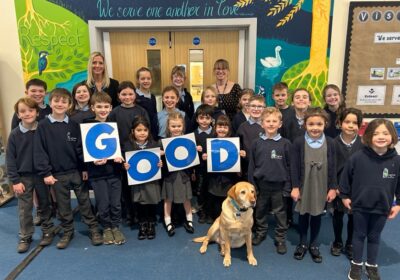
x=98, y=79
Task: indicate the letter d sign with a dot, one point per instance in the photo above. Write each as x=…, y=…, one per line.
x=223, y=155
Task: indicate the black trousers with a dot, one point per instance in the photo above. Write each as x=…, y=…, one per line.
x=367, y=226
x=107, y=193
x=25, y=206
x=275, y=201
x=62, y=188
x=337, y=221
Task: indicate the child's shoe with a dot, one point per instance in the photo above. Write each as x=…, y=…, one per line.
x=355, y=272
x=209, y=220
x=151, y=231
x=188, y=225
x=119, y=237
x=315, y=254
x=348, y=251
x=23, y=245
x=65, y=240
x=142, y=231
x=96, y=238
x=372, y=272
x=170, y=229
x=300, y=251
x=258, y=239
x=108, y=237
x=46, y=239
x=336, y=249
x=280, y=247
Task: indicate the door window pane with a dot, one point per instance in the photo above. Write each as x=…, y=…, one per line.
x=154, y=64
x=196, y=62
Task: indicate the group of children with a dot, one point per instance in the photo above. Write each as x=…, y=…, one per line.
x=311, y=156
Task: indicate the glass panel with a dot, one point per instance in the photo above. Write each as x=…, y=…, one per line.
x=196, y=62
x=154, y=64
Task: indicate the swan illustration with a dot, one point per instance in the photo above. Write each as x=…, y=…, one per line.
x=272, y=62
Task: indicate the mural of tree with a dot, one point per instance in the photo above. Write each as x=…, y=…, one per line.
x=313, y=73
x=39, y=41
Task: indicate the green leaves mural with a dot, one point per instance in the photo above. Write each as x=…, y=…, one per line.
x=47, y=28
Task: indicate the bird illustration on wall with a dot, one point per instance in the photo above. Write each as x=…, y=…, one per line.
x=42, y=64
x=272, y=62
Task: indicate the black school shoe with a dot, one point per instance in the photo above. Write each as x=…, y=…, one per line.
x=170, y=229
x=336, y=249
x=23, y=245
x=151, y=231
x=142, y=231
x=188, y=225
x=348, y=251
x=315, y=254
x=280, y=247
x=300, y=251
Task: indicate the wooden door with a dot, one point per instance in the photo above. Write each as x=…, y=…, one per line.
x=131, y=50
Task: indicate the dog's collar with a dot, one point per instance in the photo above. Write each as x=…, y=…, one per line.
x=238, y=209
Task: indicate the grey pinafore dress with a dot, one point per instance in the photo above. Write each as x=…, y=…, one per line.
x=313, y=193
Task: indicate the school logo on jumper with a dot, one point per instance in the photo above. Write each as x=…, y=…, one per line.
x=274, y=155
x=387, y=175
x=100, y=141
x=70, y=138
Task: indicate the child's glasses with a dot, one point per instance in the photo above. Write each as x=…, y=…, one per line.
x=258, y=107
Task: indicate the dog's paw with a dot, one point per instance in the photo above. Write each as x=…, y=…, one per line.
x=203, y=249
x=227, y=262
x=252, y=260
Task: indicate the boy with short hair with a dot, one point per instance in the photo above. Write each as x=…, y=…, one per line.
x=58, y=159
x=105, y=178
x=269, y=173
x=280, y=95
x=251, y=129
x=204, y=130
x=35, y=89
x=23, y=176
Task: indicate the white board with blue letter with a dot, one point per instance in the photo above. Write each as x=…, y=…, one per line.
x=143, y=166
x=180, y=152
x=100, y=140
x=223, y=154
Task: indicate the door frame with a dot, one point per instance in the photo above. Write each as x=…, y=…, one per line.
x=247, y=27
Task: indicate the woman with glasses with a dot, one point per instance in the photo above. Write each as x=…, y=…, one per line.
x=228, y=91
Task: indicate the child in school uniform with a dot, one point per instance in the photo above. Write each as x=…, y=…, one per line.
x=244, y=113
x=204, y=130
x=368, y=185
x=185, y=103
x=251, y=130
x=80, y=109
x=146, y=195
x=22, y=174
x=269, y=172
x=293, y=127
x=176, y=184
x=334, y=104
x=35, y=89
x=105, y=178
x=58, y=159
x=313, y=175
x=220, y=182
x=280, y=96
x=170, y=98
x=346, y=144
x=123, y=115
x=144, y=97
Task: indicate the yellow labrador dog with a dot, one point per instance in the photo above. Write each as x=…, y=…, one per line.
x=232, y=229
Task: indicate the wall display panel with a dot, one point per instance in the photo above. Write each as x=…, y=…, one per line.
x=371, y=76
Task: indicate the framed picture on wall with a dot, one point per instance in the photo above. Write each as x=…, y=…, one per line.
x=371, y=75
